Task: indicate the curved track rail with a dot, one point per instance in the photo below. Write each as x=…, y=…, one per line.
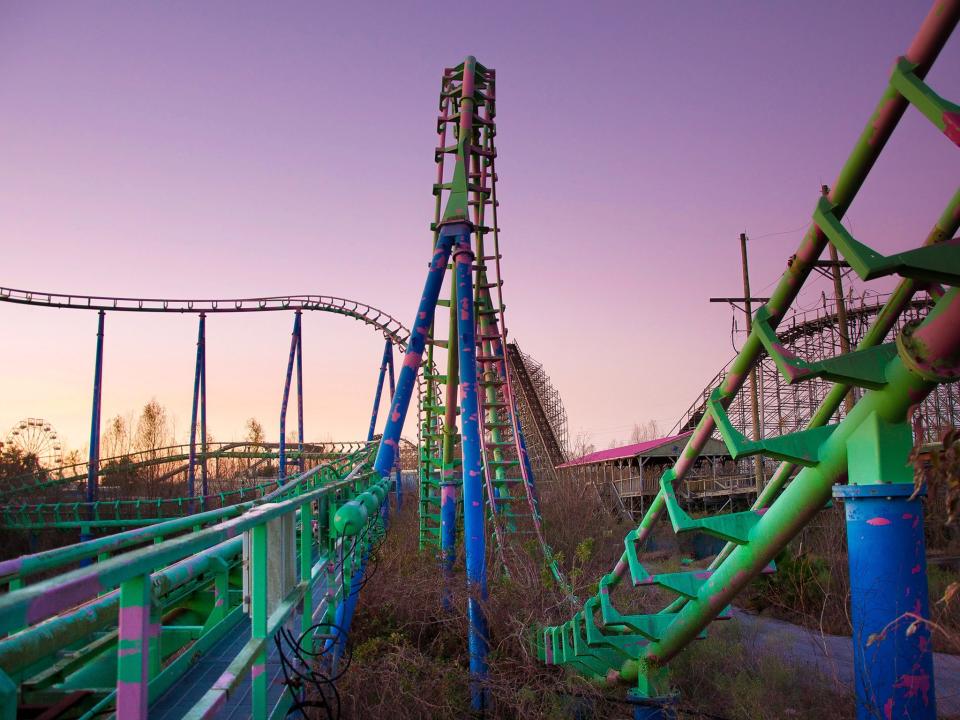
x=391, y=328
x=814, y=335
x=123, y=512
x=29, y=484
x=182, y=579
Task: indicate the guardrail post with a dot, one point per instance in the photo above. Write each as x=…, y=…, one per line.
x=133, y=649
x=258, y=618
x=306, y=565
x=221, y=594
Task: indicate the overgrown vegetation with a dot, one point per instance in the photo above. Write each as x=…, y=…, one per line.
x=410, y=655
x=812, y=585
x=720, y=677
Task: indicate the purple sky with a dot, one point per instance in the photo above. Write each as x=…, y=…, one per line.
x=225, y=149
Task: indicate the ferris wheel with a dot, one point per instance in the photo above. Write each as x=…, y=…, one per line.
x=35, y=436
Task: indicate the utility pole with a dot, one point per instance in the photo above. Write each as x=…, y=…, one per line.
x=754, y=403
x=748, y=301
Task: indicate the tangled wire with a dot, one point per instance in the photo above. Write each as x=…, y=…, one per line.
x=313, y=662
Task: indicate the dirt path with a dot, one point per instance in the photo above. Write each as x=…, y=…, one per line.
x=832, y=655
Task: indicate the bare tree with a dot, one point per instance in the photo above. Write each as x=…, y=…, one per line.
x=153, y=427
x=254, y=431
x=648, y=430
x=116, y=440
x=581, y=445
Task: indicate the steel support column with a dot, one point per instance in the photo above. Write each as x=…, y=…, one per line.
x=387, y=351
x=294, y=343
x=194, y=410
x=889, y=603
x=473, y=509
x=203, y=407
x=303, y=463
x=390, y=443
x=658, y=708
x=393, y=388
x=93, y=463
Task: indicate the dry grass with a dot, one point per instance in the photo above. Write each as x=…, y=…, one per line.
x=410, y=656
x=812, y=584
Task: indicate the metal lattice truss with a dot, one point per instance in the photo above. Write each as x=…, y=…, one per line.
x=815, y=334
x=541, y=412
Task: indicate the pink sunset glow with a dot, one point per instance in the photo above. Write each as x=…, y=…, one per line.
x=238, y=150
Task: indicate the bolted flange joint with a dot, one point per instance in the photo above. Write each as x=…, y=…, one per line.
x=914, y=353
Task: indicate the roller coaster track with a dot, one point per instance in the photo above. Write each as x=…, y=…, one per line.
x=128, y=512
x=28, y=484
x=367, y=314
x=528, y=398
x=193, y=605
x=814, y=335
x=868, y=448
x=192, y=616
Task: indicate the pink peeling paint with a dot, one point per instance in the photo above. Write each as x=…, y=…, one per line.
x=951, y=126
x=914, y=684
x=878, y=521
x=131, y=699
x=66, y=595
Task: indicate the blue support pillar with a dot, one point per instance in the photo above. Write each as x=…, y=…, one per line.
x=203, y=407
x=372, y=430
x=448, y=536
x=194, y=410
x=398, y=487
x=303, y=461
x=390, y=444
x=893, y=661
x=294, y=342
x=644, y=708
x=474, y=530
x=346, y=609
x=93, y=463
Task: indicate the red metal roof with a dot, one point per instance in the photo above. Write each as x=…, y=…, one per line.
x=627, y=451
